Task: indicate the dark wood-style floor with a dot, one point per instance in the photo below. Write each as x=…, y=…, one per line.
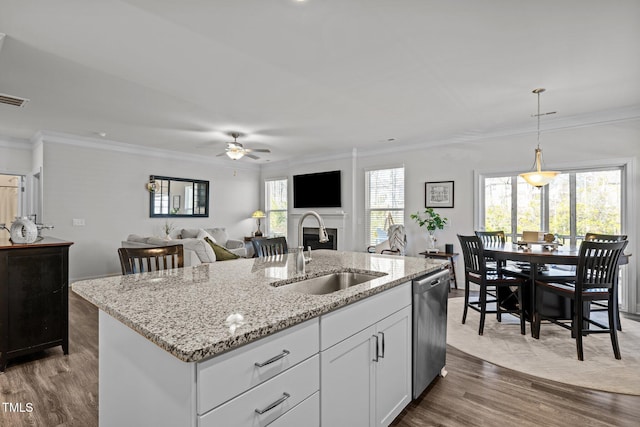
x=63, y=390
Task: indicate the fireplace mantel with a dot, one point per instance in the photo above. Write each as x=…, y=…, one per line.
x=333, y=219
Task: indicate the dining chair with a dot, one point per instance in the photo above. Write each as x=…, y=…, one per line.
x=143, y=260
x=270, y=246
x=475, y=266
x=595, y=281
x=603, y=305
x=492, y=238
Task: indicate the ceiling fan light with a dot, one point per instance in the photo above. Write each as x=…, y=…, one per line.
x=235, y=153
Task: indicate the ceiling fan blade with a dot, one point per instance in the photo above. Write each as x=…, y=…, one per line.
x=251, y=156
x=257, y=150
x=221, y=154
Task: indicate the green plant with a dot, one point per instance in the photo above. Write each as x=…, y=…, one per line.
x=167, y=227
x=432, y=221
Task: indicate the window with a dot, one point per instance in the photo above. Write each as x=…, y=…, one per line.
x=276, y=206
x=574, y=203
x=384, y=196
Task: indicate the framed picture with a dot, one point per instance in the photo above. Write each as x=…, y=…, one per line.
x=438, y=194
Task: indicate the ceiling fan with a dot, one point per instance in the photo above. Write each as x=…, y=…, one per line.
x=236, y=151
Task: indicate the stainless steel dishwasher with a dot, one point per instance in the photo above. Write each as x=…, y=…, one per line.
x=430, y=294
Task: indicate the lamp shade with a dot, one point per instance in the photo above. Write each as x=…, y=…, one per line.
x=258, y=214
x=538, y=177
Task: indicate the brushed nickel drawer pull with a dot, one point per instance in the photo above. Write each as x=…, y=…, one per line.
x=284, y=397
x=273, y=359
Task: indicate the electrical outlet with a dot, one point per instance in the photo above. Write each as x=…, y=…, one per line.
x=78, y=222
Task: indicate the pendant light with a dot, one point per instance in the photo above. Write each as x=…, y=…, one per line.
x=538, y=177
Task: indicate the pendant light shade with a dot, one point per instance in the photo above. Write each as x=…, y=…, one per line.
x=538, y=177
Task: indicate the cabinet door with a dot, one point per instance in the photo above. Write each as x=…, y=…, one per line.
x=346, y=381
x=393, y=369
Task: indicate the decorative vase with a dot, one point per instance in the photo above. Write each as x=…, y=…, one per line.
x=432, y=240
x=23, y=230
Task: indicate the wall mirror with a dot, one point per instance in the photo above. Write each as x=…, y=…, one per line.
x=180, y=197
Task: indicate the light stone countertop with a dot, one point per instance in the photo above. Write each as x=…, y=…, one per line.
x=185, y=311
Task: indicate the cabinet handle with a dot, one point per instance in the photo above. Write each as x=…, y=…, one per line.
x=284, y=397
x=377, y=348
x=273, y=359
x=382, y=355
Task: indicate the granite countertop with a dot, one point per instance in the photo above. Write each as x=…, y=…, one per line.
x=198, y=312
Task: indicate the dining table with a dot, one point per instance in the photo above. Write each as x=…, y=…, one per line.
x=542, y=262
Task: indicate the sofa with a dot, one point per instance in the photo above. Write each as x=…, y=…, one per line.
x=196, y=249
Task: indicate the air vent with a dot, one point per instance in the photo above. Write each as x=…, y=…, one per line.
x=12, y=100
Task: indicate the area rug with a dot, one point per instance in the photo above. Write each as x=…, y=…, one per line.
x=553, y=356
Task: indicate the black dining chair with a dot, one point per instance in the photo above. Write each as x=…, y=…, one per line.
x=475, y=266
x=270, y=246
x=144, y=260
x=596, y=278
x=492, y=238
x=603, y=305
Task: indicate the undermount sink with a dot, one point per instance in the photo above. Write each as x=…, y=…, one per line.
x=331, y=282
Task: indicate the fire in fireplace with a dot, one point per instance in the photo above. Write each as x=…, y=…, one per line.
x=310, y=238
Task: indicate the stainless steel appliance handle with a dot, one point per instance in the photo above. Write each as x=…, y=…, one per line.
x=269, y=407
x=273, y=359
x=382, y=355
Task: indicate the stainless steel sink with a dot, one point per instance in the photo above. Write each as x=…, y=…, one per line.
x=332, y=282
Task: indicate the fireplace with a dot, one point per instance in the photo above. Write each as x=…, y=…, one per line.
x=310, y=238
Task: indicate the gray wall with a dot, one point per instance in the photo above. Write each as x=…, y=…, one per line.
x=106, y=188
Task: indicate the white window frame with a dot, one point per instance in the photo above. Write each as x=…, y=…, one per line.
x=629, y=295
x=368, y=208
x=268, y=211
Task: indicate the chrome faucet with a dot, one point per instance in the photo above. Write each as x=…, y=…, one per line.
x=322, y=231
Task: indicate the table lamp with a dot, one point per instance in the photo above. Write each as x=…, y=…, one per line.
x=258, y=215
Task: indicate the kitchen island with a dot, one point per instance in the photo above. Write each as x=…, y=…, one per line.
x=172, y=343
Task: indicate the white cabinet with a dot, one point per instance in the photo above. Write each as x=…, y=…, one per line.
x=393, y=371
x=143, y=385
x=347, y=381
x=365, y=379
x=270, y=400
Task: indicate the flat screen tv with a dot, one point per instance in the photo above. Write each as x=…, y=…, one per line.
x=317, y=190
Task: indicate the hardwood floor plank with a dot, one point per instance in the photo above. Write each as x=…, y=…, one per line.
x=64, y=390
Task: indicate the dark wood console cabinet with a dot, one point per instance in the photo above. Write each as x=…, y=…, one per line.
x=34, y=299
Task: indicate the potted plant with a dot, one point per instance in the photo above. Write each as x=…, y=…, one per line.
x=167, y=228
x=432, y=221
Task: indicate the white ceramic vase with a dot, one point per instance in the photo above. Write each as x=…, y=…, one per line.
x=23, y=230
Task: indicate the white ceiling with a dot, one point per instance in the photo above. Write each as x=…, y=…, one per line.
x=314, y=77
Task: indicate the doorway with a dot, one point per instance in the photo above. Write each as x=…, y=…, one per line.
x=10, y=191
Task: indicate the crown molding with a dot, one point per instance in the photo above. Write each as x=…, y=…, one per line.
x=122, y=147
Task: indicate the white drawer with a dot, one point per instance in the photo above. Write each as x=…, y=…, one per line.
x=287, y=390
x=231, y=374
x=346, y=321
x=306, y=414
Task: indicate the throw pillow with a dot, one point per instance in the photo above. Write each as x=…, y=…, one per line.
x=190, y=233
x=202, y=233
x=222, y=254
